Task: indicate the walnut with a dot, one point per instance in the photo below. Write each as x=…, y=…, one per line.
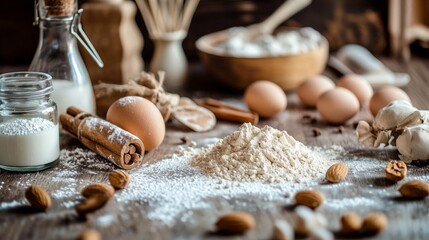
x=396, y=170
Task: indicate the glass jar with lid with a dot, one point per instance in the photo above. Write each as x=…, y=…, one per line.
x=58, y=55
x=29, y=131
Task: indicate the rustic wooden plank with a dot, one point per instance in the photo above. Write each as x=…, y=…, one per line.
x=366, y=188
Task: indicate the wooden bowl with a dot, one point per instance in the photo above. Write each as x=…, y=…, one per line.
x=287, y=71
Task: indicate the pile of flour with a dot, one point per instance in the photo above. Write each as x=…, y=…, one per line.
x=266, y=154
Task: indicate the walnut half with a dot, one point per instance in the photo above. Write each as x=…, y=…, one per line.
x=396, y=170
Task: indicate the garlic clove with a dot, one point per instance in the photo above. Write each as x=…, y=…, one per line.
x=417, y=117
x=383, y=137
x=364, y=134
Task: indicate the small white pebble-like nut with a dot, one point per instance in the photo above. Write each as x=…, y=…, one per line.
x=392, y=114
x=321, y=234
x=364, y=134
x=282, y=230
x=307, y=221
x=413, y=143
x=302, y=217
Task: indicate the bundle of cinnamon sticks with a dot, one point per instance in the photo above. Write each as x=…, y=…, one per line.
x=106, y=139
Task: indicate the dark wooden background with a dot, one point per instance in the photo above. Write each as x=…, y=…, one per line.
x=342, y=22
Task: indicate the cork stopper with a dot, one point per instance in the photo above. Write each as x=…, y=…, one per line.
x=58, y=8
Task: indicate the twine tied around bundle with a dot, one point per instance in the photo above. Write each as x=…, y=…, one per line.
x=146, y=85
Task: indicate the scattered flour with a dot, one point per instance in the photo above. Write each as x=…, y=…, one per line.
x=267, y=154
x=127, y=100
x=171, y=190
x=11, y=204
x=352, y=202
x=115, y=133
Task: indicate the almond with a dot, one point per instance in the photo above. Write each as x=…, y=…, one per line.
x=415, y=189
x=396, y=170
x=374, y=223
x=309, y=198
x=235, y=223
x=119, y=179
x=92, y=204
x=97, y=189
x=337, y=173
x=90, y=234
x=38, y=197
x=351, y=223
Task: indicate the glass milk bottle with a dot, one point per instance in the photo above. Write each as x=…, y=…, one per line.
x=29, y=132
x=57, y=54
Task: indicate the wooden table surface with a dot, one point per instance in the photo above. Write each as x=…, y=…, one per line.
x=365, y=188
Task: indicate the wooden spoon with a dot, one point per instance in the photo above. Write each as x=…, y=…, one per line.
x=285, y=11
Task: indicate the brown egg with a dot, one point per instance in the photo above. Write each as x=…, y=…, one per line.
x=310, y=90
x=140, y=117
x=338, y=105
x=265, y=98
x=358, y=86
x=384, y=96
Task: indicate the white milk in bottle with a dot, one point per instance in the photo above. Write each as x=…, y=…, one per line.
x=67, y=93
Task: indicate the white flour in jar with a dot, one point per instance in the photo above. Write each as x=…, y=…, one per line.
x=266, y=154
x=28, y=142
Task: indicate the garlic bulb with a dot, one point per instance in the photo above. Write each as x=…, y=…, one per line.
x=413, y=143
x=398, y=124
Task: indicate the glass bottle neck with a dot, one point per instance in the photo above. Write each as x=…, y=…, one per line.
x=57, y=53
x=56, y=31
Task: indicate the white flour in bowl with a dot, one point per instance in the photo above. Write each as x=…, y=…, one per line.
x=284, y=43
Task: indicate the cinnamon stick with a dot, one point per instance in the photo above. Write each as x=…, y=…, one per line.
x=228, y=112
x=106, y=139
